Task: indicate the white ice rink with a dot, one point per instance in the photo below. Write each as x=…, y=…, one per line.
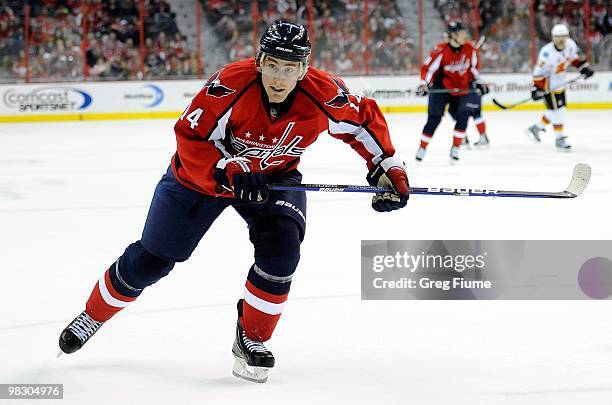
x=73, y=195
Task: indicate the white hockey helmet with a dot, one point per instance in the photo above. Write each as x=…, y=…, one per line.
x=559, y=30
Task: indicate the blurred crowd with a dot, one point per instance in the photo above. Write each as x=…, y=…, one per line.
x=348, y=39
x=571, y=13
x=112, y=46
x=339, y=34
x=505, y=24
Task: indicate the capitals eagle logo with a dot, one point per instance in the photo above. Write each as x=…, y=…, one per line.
x=344, y=96
x=215, y=88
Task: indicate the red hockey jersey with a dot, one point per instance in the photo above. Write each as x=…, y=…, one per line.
x=451, y=69
x=228, y=117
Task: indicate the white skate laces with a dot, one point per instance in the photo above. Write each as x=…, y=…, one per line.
x=84, y=327
x=253, y=345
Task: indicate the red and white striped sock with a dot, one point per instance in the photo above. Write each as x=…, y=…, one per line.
x=458, y=136
x=481, y=126
x=105, y=301
x=425, y=139
x=261, y=312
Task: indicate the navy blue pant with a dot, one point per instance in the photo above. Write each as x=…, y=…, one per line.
x=179, y=217
x=473, y=104
x=456, y=107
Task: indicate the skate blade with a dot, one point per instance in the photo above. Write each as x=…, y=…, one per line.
x=59, y=354
x=565, y=150
x=250, y=373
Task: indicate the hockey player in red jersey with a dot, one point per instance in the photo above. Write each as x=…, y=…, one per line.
x=446, y=76
x=248, y=126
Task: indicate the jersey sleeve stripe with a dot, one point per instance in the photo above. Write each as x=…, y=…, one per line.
x=431, y=70
x=361, y=135
x=474, y=68
x=219, y=133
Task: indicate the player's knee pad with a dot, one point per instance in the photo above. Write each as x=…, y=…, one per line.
x=277, y=253
x=461, y=120
x=137, y=268
x=432, y=123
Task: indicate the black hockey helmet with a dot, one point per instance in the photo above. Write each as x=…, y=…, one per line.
x=287, y=41
x=454, y=26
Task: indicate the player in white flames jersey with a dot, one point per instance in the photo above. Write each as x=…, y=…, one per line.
x=549, y=76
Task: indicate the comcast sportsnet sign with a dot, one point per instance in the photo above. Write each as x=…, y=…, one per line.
x=47, y=99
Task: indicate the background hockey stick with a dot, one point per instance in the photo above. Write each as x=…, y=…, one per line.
x=454, y=91
x=509, y=106
x=480, y=41
x=580, y=179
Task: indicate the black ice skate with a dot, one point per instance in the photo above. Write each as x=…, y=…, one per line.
x=78, y=332
x=253, y=360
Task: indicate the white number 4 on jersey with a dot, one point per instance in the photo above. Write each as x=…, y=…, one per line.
x=193, y=116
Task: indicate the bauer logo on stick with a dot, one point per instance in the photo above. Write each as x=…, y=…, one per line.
x=461, y=191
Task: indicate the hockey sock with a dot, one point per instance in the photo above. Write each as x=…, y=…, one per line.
x=276, y=241
x=543, y=122
x=425, y=139
x=105, y=301
x=558, y=128
x=261, y=312
x=481, y=126
x=458, y=136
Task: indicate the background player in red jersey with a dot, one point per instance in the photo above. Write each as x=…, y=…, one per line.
x=448, y=71
x=248, y=126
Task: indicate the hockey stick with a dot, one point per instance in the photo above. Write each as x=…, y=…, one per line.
x=580, y=179
x=453, y=91
x=480, y=41
x=509, y=106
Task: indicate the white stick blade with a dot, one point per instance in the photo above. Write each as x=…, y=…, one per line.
x=580, y=179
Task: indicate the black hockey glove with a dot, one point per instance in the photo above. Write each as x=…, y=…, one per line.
x=422, y=90
x=537, y=93
x=236, y=174
x=586, y=70
x=481, y=87
x=390, y=173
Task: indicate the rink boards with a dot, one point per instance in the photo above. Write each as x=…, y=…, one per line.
x=167, y=99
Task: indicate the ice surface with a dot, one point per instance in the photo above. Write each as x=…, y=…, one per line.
x=73, y=195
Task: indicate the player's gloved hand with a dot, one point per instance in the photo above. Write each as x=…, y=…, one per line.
x=537, y=93
x=422, y=90
x=236, y=174
x=586, y=70
x=481, y=87
x=391, y=173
